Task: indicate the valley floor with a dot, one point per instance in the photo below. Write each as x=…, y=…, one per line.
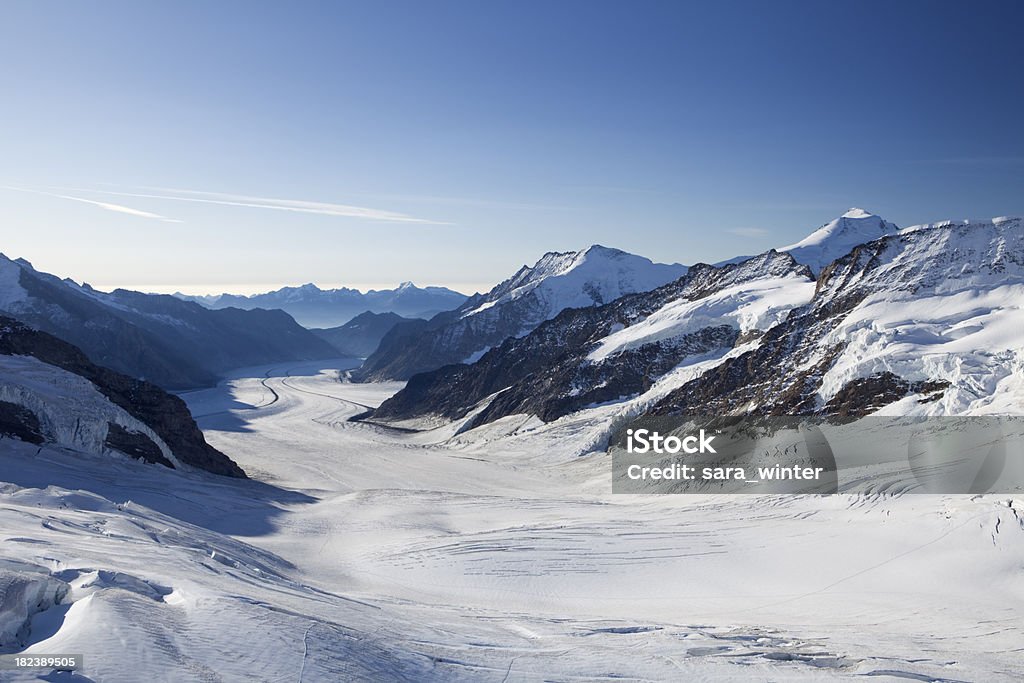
x=360, y=552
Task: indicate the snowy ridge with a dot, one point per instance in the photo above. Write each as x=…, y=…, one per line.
x=836, y=238
x=920, y=322
x=600, y=355
x=174, y=343
x=11, y=291
x=947, y=303
x=557, y=282
x=596, y=275
x=760, y=294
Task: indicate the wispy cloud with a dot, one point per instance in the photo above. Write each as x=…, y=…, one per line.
x=973, y=161
x=118, y=208
x=295, y=205
x=468, y=201
x=749, y=232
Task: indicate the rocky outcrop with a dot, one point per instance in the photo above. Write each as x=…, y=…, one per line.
x=18, y=422
x=865, y=395
x=135, y=444
x=166, y=414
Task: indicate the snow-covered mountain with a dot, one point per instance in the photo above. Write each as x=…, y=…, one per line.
x=926, y=321
x=575, y=279
x=176, y=344
x=836, y=238
x=325, y=308
x=588, y=356
x=50, y=393
x=559, y=280
x=921, y=320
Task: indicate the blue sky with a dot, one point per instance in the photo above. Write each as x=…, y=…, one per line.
x=242, y=145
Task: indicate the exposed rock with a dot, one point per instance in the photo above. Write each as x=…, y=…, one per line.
x=135, y=445
x=166, y=414
x=20, y=423
x=865, y=395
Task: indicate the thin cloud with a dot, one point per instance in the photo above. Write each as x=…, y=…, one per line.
x=749, y=232
x=295, y=205
x=117, y=208
x=973, y=161
x=467, y=201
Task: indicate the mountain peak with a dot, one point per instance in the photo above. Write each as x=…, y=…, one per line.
x=837, y=237
x=600, y=249
x=855, y=212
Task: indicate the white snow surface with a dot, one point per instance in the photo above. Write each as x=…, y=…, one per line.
x=596, y=275
x=836, y=238
x=755, y=305
x=948, y=305
x=72, y=412
x=364, y=553
x=11, y=291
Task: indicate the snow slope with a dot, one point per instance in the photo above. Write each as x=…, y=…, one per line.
x=947, y=303
x=836, y=238
x=494, y=555
x=747, y=306
x=595, y=275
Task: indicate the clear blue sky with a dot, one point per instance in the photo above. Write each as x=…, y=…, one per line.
x=451, y=142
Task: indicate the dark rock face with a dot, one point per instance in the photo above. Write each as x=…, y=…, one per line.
x=135, y=445
x=165, y=414
x=360, y=337
x=863, y=396
x=20, y=423
x=633, y=372
x=546, y=373
x=175, y=344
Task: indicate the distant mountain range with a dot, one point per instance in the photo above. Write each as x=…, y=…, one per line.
x=924, y=320
x=175, y=344
x=513, y=308
x=361, y=335
x=325, y=308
